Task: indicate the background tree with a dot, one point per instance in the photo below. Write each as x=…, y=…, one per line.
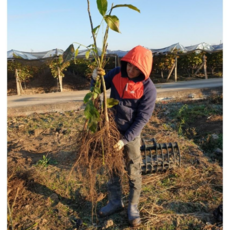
x=164, y=63
x=60, y=64
x=22, y=72
x=215, y=60
x=82, y=67
x=190, y=62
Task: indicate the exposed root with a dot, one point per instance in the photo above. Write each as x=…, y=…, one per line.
x=96, y=156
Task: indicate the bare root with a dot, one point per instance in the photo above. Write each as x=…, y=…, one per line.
x=96, y=156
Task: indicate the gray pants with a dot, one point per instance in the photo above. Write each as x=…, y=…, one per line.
x=133, y=159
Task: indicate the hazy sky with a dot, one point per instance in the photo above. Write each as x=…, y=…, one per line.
x=47, y=24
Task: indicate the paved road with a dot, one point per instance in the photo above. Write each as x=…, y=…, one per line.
x=77, y=96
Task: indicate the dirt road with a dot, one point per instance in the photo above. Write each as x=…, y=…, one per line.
x=26, y=104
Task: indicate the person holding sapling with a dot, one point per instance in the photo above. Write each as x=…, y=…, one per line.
x=131, y=86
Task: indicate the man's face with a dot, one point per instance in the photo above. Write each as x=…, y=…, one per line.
x=132, y=71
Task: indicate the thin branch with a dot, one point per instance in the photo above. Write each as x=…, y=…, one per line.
x=94, y=38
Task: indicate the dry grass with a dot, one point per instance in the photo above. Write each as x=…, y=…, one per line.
x=181, y=198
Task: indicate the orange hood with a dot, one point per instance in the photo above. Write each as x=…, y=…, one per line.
x=142, y=58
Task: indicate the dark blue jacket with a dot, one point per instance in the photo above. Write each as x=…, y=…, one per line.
x=136, y=96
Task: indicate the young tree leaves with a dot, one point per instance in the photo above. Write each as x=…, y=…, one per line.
x=97, y=90
x=95, y=29
x=68, y=54
x=87, y=97
x=127, y=5
x=76, y=52
x=87, y=54
x=92, y=115
x=90, y=111
x=113, y=22
x=102, y=6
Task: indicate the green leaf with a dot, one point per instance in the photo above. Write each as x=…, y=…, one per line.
x=91, y=112
x=68, y=54
x=97, y=90
x=95, y=29
x=76, y=52
x=112, y=102
x=113, y=22
x=102, y=6
x=87, y=97
x=87, y=111
x=87, y=54
x=92, y=115
x=127, y=5
x=93, y=127
x=95, y=95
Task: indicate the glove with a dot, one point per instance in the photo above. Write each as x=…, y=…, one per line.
x=96, y=72
x=118, y=146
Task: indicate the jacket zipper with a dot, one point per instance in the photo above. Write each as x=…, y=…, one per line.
x=125, y=89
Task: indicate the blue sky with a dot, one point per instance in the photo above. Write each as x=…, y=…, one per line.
x=43, y=25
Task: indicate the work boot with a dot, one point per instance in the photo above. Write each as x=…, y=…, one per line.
x=134, y=215
x=112, y=207
x=115, y=202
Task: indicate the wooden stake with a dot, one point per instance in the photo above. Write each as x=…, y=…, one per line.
x=171, y=71
x=198, y=69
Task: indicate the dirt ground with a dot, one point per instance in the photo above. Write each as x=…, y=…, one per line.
x=41, y=150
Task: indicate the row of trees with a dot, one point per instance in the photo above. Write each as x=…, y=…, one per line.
x=24, y=69
x=187, y=64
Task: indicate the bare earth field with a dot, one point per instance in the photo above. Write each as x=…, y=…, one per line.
x=42, y=149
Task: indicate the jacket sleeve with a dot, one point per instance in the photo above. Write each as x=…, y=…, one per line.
x=144, y=112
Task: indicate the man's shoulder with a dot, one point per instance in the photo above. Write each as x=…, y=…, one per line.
x=148, y=83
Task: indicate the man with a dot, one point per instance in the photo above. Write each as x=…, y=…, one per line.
x=131, y=85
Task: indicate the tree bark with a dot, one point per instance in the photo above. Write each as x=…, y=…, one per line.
x=175, y=71
x=17, y=82
x=205, y=66
x=60, y=78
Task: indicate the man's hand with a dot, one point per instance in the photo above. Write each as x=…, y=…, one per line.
x=119, y=145
x=96, y=72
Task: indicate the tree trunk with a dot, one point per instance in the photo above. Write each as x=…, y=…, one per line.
x=60, y=78
x=175, y=71
x=162, y=74
x=17, y=82
x=205, y=66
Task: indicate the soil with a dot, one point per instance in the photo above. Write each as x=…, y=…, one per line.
x=41, y=150
x=39, y=196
